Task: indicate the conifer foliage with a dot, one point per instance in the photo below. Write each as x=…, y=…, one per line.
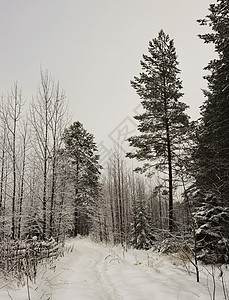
x=212, y=155
x=142, y=237
x=212, y=220
x=164, y=123
x=80, y=152
x=213, y=145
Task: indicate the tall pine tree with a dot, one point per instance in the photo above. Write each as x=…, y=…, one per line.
x=164, y=123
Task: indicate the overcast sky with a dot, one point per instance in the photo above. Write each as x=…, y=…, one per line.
x=93, y=47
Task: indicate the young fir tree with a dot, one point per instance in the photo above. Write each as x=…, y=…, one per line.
x=212, y=156
x=164, y=123
x=141, y=232
x=212, y=220
x=80, y=151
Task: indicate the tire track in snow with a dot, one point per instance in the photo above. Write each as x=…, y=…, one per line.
x=98, y=272
x=102, y=268
x=85, y=277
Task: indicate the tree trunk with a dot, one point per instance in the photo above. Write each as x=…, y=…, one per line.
x=44, y=200
x=22, y=188
x=171, y=225
x=52, y=192
x=16, y=107
x=2, y=173
x=76, y=213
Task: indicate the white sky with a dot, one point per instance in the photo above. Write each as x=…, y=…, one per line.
x=93, y=47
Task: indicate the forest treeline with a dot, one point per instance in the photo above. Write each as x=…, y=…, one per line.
x=52, y=184
x=46, y=166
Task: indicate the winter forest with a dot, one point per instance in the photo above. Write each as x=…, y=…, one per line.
x=54, y=187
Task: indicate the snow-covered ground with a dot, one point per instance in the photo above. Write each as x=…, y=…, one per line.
x=98, y=272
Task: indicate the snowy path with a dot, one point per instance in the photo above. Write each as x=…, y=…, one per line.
x=96, y=272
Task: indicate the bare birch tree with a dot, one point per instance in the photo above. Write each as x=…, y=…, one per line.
x=47, y=120
x=11, y=113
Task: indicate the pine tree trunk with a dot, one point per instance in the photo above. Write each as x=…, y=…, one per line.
x=169, y=154
x=170, y=181
x=160, y=209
